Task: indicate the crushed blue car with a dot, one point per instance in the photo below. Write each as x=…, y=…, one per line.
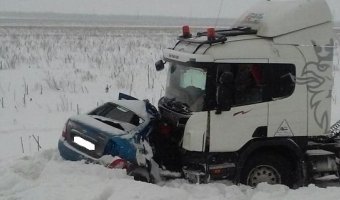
x=119, y=129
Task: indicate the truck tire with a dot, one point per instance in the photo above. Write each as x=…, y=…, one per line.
x=273, y=169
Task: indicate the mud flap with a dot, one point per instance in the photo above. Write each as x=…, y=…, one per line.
x=155, y=172
x=140, y=174
x=149, y=174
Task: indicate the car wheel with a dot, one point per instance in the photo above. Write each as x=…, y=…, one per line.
x=273, y=169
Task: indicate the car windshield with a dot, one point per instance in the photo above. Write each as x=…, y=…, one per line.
x=186, y=84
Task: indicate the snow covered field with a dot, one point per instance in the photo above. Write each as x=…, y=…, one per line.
x=49, y=74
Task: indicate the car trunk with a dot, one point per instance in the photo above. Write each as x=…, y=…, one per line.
x=89, y=135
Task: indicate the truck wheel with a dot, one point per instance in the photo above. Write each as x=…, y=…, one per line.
x=273, y=169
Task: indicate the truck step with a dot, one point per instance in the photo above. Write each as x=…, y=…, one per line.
x=326, y=181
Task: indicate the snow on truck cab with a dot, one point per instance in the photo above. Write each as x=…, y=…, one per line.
x=252, y=103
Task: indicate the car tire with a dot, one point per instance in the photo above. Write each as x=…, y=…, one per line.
x=273, y=169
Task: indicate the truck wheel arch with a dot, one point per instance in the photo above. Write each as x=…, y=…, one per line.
x=283, y=146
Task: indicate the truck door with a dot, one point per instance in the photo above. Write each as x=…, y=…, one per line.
x=248, y=115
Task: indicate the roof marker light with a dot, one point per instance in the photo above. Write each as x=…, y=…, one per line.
x=211, y=34
x=186, y=31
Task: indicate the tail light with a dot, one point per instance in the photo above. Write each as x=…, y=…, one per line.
x=186, y=31
x=218, y=173
x=118, y=164
x=211, y=34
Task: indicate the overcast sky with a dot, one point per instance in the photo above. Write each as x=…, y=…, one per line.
x=186, y=8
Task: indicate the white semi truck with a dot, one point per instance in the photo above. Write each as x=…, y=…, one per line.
x=252, y=103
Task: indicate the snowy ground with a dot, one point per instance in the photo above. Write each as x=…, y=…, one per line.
x=49, y=74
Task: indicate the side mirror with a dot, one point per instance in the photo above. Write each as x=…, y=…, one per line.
x=159, y=65
x=224, y=92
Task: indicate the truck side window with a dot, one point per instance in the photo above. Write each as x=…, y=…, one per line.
x=259, y=82
x=283, y=80
x=249, y=84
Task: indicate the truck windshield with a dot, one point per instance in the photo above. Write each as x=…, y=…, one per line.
x=186, y=84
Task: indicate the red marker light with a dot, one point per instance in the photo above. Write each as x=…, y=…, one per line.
x=186, y=31
x=211, y=34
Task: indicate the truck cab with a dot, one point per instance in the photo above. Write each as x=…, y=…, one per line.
x=252, y=103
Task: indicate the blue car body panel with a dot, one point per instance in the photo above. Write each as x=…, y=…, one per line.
x=121, y=147
x=116, y=146
x=69, y=153
x=125, y=146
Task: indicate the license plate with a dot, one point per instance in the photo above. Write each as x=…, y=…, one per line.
x=84, y=143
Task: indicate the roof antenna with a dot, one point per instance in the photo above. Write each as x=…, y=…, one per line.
x=219, y=12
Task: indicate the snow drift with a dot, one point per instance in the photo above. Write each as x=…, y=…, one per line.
x=46, y=176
